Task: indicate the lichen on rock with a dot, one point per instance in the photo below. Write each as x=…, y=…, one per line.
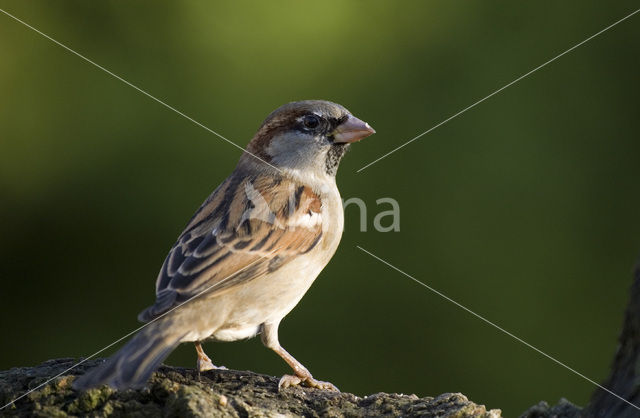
x=178, y=392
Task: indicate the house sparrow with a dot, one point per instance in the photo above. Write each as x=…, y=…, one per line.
x=252, y=250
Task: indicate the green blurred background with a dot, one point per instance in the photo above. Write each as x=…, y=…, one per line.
x=524, y=209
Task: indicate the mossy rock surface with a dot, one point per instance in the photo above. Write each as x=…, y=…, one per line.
x=177, y=392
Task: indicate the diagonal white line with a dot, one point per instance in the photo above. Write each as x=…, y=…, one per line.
x=497, y=327
x=497, y=91
x=139, y=328
x=136, y=87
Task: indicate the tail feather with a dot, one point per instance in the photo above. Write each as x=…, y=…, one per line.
x=132, y=366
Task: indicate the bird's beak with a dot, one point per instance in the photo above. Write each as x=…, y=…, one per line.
x=352, y=130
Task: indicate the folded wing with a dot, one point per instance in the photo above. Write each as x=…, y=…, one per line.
x=248, y=227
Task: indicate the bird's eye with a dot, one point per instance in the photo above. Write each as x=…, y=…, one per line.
x=311, y=121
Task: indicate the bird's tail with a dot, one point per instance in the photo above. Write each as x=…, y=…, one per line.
x=132, y=366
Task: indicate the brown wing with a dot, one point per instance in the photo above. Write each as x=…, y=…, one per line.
x=248, y=227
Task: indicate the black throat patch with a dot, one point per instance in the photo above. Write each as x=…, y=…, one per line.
x=334, y=155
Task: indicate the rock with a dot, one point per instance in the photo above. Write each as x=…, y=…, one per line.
x=564, y=409
x=178, y=392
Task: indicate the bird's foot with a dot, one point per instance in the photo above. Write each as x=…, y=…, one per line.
x=205, y=363
x=289, y=380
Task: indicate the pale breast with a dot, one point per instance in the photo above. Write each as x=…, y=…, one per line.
x=270, y=298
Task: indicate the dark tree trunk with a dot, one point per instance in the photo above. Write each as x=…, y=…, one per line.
x=624, y=379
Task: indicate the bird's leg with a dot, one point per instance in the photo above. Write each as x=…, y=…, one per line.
x=301, y=374
x=204, y=362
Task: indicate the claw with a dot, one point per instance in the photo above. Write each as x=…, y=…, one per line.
x=204, y=363
x=288, y=380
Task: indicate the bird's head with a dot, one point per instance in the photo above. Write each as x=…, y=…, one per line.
x=306, y=138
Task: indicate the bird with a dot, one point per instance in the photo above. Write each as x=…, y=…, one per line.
x=252, y=249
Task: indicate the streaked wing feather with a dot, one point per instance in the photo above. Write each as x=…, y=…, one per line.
x=248, y=227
